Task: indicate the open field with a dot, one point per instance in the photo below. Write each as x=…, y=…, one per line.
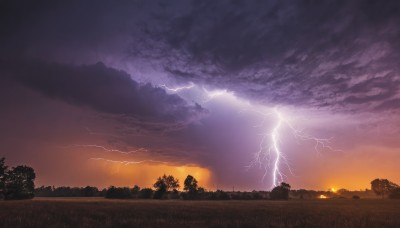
x=99, y=212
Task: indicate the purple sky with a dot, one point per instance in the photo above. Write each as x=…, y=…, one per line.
x=101, y=93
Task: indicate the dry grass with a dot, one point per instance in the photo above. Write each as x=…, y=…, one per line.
x=86, y=212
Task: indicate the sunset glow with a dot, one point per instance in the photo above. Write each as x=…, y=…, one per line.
x=144, y=174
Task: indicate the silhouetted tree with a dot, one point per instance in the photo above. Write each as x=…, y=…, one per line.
x=19, y=183
x=135, y=191
x=190, y=185
x=165, y=184
x=280, y=192
x=382, y=186
x=3, y=169
x=161, y=188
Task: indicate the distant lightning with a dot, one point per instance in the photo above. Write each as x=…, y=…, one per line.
x=177, y=89
x=126, y=162
x=108, y=149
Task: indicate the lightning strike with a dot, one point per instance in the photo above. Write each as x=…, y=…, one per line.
x=270, y=152
x=275, y=141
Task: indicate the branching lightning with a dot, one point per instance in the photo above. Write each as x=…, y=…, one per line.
x=108, y=149
x=270, y=155
x=271, y=150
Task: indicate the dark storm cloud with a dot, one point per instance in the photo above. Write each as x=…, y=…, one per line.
x=106, y=90
x=307, y=53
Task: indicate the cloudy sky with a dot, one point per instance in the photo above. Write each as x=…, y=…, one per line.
x=236, y=93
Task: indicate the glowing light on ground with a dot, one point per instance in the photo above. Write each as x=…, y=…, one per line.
x=322, y=197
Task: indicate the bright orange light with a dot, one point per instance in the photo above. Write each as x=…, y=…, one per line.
x=333, y=190
x=322, y=197
x=145, y=175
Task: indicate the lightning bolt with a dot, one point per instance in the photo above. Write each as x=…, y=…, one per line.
x=275, y=140
x=269, y=150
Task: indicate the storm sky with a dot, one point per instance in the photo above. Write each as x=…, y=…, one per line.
x=120, y=92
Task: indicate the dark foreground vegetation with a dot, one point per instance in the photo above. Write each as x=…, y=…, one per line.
x=100, y=212
x=17, y=182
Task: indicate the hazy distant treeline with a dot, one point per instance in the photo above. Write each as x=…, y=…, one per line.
x=166, y=187
x=148, y=193
x=200, y=193
x=51, y=191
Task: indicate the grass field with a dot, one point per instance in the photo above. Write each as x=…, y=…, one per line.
x=99, y=212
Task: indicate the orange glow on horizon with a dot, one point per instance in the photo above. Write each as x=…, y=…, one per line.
x=322, y=197
x=144, y=174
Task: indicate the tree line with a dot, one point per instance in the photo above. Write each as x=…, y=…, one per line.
x=63, y=191
x=18, y=183
x=165, y=187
